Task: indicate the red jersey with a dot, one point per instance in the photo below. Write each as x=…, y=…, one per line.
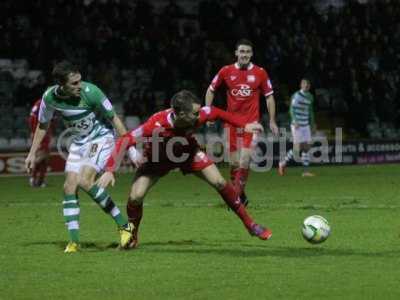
x=33, y=122
x=243, y=88
x=160, y=128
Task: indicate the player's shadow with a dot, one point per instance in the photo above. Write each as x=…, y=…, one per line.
x=252, y=250
x=91, y=246
x=227, y=248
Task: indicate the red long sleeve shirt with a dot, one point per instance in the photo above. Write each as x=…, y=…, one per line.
x=161, y=123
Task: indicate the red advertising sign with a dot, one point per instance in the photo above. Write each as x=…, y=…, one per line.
x=14, y=163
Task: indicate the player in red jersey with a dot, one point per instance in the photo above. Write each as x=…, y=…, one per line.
x=244, y=81
x=43, y=153
x=169, y=143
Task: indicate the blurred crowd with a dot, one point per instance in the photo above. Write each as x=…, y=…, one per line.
x=140, y=52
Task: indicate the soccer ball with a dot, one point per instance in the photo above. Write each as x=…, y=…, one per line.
x=315, y=229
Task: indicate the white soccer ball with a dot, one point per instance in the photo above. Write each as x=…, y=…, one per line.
x=315, y=229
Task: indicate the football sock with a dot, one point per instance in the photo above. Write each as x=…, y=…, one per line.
x=71, y=213
x=234, y=177
x=134, y=211
x=234, y=171
x=305, y=159
x=242, y=179
x=231, y=198
x=239, y=178
x=102, y=198
x=289, y=156
x=42, y=171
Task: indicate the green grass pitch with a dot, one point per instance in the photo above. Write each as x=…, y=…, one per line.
x=192, y=247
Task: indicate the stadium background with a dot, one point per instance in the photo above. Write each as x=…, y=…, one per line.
x=191, y=246
x=141, y=52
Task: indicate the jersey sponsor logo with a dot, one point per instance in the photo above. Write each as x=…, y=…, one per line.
x=251, y=78
x=242, y=90
x=84, y=125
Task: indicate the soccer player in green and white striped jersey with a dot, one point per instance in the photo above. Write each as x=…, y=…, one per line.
x=83, y=106
x=302, y=119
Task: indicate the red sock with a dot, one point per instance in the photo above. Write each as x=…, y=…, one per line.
x=134, y=212
x=42, y=168
x=230, y=196
x=233, y=173
x=239, y=178
x=242, y=179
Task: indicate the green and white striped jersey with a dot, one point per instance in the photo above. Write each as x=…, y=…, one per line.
x=83, y=116
x=301, y=108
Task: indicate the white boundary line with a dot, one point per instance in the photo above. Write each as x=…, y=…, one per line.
x=216, y=205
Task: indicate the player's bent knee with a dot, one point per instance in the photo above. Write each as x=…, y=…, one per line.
x=137, y=194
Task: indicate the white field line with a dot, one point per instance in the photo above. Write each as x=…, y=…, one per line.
x=219, y=204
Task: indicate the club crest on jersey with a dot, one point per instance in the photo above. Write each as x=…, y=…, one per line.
x=233, y=78
x=251, y=78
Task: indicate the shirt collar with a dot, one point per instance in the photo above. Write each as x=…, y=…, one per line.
x=249, y=67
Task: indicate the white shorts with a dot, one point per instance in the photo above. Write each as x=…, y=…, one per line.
x=94, y=154
x=301, y=134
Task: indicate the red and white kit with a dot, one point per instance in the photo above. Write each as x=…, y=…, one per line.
x=243, y=97
x=156, y=133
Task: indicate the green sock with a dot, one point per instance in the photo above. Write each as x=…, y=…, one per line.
x=71, y=213
x=102, y=198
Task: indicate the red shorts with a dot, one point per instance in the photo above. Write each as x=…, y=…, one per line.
x=194, y=163
x=238, y=138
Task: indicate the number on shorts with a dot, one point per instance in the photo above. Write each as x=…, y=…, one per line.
x=93, y=150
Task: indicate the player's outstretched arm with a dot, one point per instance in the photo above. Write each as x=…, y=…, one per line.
x=40, y=132
x=116, y=156
x=213, y=113
x=118, y=125
x=136, y=157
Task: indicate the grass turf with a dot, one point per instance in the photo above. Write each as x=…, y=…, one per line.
x=191, y=247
